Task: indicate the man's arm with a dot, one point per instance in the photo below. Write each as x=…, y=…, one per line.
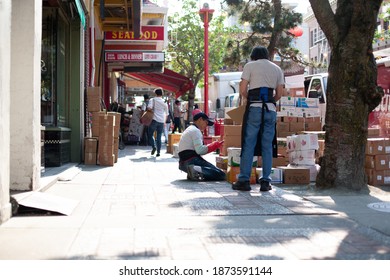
x=244, y=88
x=279, y=92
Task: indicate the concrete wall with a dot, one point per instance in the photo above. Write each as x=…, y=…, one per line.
x=5, y=52
x=25, y=125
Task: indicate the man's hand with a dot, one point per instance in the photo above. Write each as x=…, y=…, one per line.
x=214, y=146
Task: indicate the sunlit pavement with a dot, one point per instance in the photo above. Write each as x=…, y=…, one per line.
x=144, y=208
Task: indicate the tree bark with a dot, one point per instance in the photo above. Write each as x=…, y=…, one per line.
x=277, y=29
x=352, y=90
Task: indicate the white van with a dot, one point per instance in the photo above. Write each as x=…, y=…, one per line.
x=315, y=87
x=232, y=100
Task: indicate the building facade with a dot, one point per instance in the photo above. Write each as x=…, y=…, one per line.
x=50, y=53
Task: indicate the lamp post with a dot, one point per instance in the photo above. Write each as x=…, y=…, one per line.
x=206, y=15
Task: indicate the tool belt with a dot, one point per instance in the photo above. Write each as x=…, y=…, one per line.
x=261, y=94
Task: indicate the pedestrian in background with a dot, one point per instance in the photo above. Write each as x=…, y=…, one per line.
x=167, y=126
x=191, y=149
x=177, y=113
x=160, y=109
x=145, y=131
x=262, y=84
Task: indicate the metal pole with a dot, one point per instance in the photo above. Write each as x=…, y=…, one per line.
x=206, y=62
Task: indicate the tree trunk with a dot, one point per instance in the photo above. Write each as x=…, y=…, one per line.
x=352, y=90
x=277, y=29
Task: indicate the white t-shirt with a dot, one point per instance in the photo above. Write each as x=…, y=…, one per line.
x=263, y=73
x=192, y=139
x=160, y=109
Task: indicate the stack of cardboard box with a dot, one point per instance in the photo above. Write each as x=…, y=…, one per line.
x=106, y=156
x=104, y=129
x=301, y=151
x=377, y=161
x=233, y=168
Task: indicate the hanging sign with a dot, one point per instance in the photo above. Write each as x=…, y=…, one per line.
x=126, y=56
x=148, y=33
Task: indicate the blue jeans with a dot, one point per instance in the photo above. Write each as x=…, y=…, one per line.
x=159, y=127
x=210, y=172
x=252, y=129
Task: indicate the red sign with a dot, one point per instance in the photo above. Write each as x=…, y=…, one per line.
x=148, y=33
x=122, y=56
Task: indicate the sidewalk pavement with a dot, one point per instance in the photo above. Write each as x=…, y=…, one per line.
x=144, y=208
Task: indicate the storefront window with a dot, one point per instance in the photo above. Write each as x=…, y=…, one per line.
x=48, y=66
x=54, y=69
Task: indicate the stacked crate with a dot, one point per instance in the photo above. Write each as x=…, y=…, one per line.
x=106, y=155
x=116, y=133
x=105, y=128
x=301, y=150
x=90, y=149
x=91, y=143
x=233, y=168
x=377, y=163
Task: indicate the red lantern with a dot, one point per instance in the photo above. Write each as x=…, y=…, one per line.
x=296, y=31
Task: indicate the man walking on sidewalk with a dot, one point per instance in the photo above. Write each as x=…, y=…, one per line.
x=160, y=109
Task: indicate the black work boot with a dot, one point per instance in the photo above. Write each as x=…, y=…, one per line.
x=194, y=175
x=241, y=186
x=265, y=186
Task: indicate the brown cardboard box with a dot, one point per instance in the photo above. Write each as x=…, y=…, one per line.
x=283, y=127
x=312, y=126
x=107, y=160
x=221, y=162
x=116, y=149
x=107, y=120
x=228, y=122
x=106, y=139
x=375, y=177
x=231, y=130
x=230, y=141
x=290, y=119
x=90, y=158
x=279, y=161
x=295, y=175
x=297, y=126
x=378, y=162
x=298, y=92
x=284, y=134
x=173, y=138
x=93, y=99
x=378, y=146
x=237, y=114
x=95, y=123
x=234, y=171
x=313, y=119
x=374, y=132
x=90, y=144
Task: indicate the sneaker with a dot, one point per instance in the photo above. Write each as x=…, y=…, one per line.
x=241, y=186
x=194, y=175
x=265, y=186
x=153, y=151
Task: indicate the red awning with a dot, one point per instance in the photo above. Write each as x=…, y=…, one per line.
x=168, y=80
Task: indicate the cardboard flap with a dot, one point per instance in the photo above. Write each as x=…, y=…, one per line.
x=237, y=114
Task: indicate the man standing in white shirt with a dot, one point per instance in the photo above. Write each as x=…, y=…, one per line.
x=160, y=109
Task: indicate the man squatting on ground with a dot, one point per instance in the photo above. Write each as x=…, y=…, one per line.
x=259, y=80
x=191, y=148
